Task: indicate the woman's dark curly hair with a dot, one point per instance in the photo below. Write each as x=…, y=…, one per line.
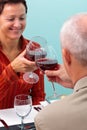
x=3, y=2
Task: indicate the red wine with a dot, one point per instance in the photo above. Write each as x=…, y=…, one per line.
x=47, y=64
x=31, y=54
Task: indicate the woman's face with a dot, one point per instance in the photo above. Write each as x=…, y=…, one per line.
x=13, y=21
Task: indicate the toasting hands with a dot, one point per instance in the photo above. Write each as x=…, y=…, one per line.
x=60, y=76
x=21, y=64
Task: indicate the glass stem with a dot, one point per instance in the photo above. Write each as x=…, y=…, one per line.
x=22, y=124
x=30, y=75
x=53, y=88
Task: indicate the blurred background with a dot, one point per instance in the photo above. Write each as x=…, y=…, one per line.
x=45, y=18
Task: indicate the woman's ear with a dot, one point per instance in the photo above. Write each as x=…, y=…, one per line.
x=66, y=56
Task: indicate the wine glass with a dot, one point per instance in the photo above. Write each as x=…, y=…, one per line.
x=22, y=106
x=49, y=62
x=34, y=43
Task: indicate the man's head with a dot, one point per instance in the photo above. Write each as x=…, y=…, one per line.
x=74, y=42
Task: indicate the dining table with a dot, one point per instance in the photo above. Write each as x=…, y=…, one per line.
x=9, y=120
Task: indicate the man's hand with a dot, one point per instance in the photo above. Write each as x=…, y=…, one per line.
x=60, y=76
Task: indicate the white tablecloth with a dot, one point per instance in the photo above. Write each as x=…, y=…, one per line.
x=9, y=115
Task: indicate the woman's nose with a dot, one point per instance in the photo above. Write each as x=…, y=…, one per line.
x=17, y=23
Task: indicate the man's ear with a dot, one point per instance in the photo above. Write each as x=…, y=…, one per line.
x=66, y=56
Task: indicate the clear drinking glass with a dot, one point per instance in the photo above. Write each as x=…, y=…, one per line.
x=22, y=106
x=49, y=62
x=35, y=43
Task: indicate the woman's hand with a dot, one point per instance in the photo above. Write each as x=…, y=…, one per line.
x=60, y=76
x=21, y=64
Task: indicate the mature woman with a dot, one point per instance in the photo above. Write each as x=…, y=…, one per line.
x=12, y=50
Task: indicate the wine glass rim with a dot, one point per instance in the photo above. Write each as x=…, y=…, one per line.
x=37, y=39
x=22, y=95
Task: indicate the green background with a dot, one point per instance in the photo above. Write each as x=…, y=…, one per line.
x=45, y=18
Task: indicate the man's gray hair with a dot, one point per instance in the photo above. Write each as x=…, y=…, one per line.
x=73, y=36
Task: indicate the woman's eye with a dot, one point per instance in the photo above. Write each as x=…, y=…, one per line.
x=13, y=19
x=10, y=19
x=22, y=18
